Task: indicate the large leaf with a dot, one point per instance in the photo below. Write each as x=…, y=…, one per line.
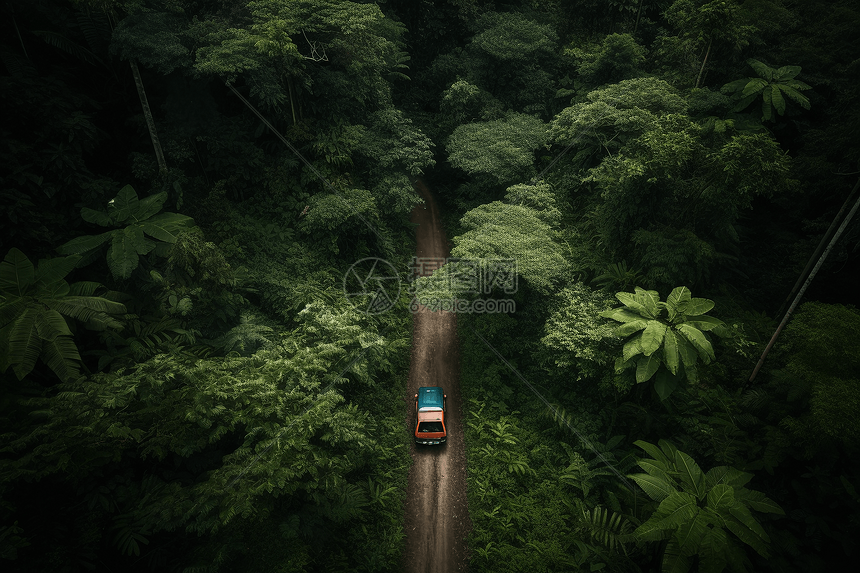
x=150, y=206
x=124, y=205
x=632, y=301
x=656, y=452
x=671, y=356
x=622, y=314
x=650, y=299
x=766, y=105
x=83, y=308
x=677, y=508
x=754, y=86
x=705, y=323
x=629, y=328
x=166, y=226
x=761, y=69
x=61, y=356
x=758, y=501
x=697, y=306
x=721, y=496
x=654, y=529
x=96, y=217
x=50, y=324
x=791, y=91
x=674, y=559
x=727, y=475
x=123, y=254
x=51, y=273
x=10, y=309
x=24, y=344
x=16, y=273
x=656, y=468
x=699, y=342
x=655, y=487
x=84, y=244
x=686, y=351
x=787, y=73
x=646, y=366
x=677, y=301
x=747, y=529
x=713, y=550
x=777, y=99
x=665, y=383
x=652, y=338
x=691, y=533
x=692, y=478
x=631, y=348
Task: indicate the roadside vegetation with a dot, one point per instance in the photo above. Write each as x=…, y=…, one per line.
x=183, y=186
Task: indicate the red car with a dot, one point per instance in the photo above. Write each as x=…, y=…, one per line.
x=430, y=416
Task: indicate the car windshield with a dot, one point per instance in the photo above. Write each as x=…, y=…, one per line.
x=430, y=427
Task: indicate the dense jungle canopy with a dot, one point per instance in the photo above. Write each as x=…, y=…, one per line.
x=186, y=387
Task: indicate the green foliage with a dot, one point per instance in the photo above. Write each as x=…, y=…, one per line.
x=614, y=115
x=576, y=336
x=772, y=85
x=154, y=39
x=818, y=365
x=697, y=511
x=135, y=218
x=392, y=142
x=676, y=328
x=501, y=231
x=618, y=58
x=34, y=304
x=512, y=38
x=502, y=149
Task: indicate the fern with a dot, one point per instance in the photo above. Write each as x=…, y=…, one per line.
x=245, y=336
x=608, y=528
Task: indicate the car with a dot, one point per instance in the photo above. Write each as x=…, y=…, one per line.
x=430, y=416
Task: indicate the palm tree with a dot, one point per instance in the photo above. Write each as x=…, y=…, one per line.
x=34, y=304
x=773, y=85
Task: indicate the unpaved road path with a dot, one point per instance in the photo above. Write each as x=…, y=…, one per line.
x=437, y=516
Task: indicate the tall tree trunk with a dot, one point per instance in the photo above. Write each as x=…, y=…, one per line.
x=704, y=63
x=638, y=13
x=147, y=114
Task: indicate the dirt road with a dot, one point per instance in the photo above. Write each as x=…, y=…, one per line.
x=437, y=517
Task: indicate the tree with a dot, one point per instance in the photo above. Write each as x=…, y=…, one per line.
x=771, y=85
x=502, y=150
x=618, y=58
x=675, y=327
x=698, y=511
x=702, y=21
x=614, y=115
x=34, y=304
x=128, y=242
x=521, y=232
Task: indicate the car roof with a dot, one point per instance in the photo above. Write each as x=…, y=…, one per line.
x=429, y=397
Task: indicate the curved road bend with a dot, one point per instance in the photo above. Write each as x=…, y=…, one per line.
x=437, y=516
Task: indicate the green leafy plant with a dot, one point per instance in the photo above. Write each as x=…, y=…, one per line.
x=772, y=85
x=675, y=327
x=618, y=275
x=134, y=218
x=34, y=304
x=698, y=511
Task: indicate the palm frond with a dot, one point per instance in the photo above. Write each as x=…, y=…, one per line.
x=68, y=46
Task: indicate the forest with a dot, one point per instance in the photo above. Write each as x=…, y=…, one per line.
x=185, y=183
